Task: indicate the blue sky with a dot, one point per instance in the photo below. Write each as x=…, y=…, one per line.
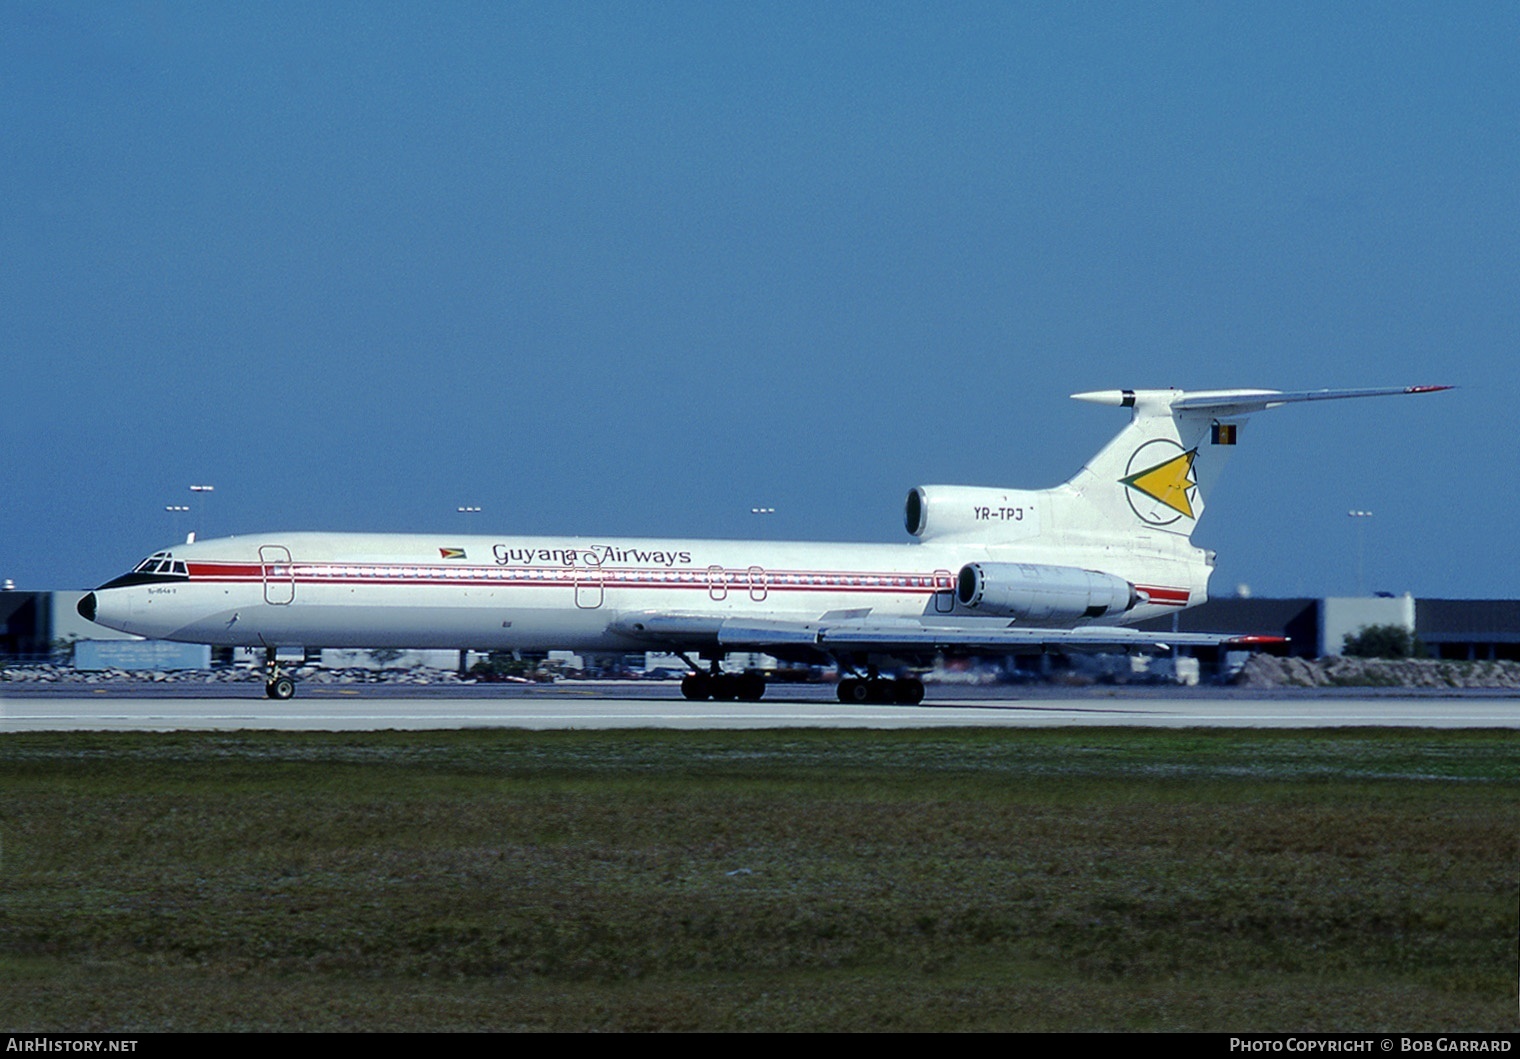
x=637, y=268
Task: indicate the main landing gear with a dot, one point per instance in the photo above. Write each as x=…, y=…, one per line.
x=905, y=691
x=276, y=685
x=720, y=686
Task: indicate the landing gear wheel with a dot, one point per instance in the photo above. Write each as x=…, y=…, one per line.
x=854, y=691
x=721, y=686
x=280, y=688
x=751, y=687
x=909, y=691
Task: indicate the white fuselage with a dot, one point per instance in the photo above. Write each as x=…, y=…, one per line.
x=543, y=593
x=992, y=569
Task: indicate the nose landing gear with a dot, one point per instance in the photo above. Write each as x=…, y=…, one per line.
x=276, y=684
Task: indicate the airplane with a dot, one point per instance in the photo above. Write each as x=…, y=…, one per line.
x=989, y=571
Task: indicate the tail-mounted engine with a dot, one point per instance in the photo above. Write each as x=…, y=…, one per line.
x=1036, y=592
x=974, y=512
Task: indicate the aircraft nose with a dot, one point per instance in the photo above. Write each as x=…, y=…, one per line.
x=87, y=606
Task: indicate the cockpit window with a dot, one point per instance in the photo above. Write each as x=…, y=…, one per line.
x=160, y=563
x=158, y=567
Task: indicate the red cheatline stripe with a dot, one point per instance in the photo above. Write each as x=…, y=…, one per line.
x=734, y=578
x=225, y=570
x=1166, y=597
x=731, y=579
x=699, y=586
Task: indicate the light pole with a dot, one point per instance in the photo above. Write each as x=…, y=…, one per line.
x=464, y=652
x=1361, y=518
x=202, y=492
x=176, y=510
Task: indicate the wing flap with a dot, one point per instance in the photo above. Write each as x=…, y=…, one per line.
x=890, y=636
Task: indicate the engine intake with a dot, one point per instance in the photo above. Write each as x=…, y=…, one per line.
x=1037, y=592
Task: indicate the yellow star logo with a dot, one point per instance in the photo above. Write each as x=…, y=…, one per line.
x=1168, y=482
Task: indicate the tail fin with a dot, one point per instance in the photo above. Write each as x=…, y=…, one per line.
x=1145, y=488
x=1155, y=474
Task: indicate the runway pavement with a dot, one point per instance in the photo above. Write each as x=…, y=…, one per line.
x=372, y=707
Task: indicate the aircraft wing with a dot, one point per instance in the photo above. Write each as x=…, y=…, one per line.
x=908, y=636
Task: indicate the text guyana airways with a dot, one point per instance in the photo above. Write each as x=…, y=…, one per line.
x=590, y=555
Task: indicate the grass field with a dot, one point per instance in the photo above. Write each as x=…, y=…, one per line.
x=979, y=880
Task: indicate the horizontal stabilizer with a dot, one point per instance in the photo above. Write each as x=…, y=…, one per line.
x=1222, y=403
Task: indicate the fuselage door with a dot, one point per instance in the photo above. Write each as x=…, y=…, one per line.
x=589, y=590
x=717, y=583
x=758, y=586
x=944, y=591
x=279, y=574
